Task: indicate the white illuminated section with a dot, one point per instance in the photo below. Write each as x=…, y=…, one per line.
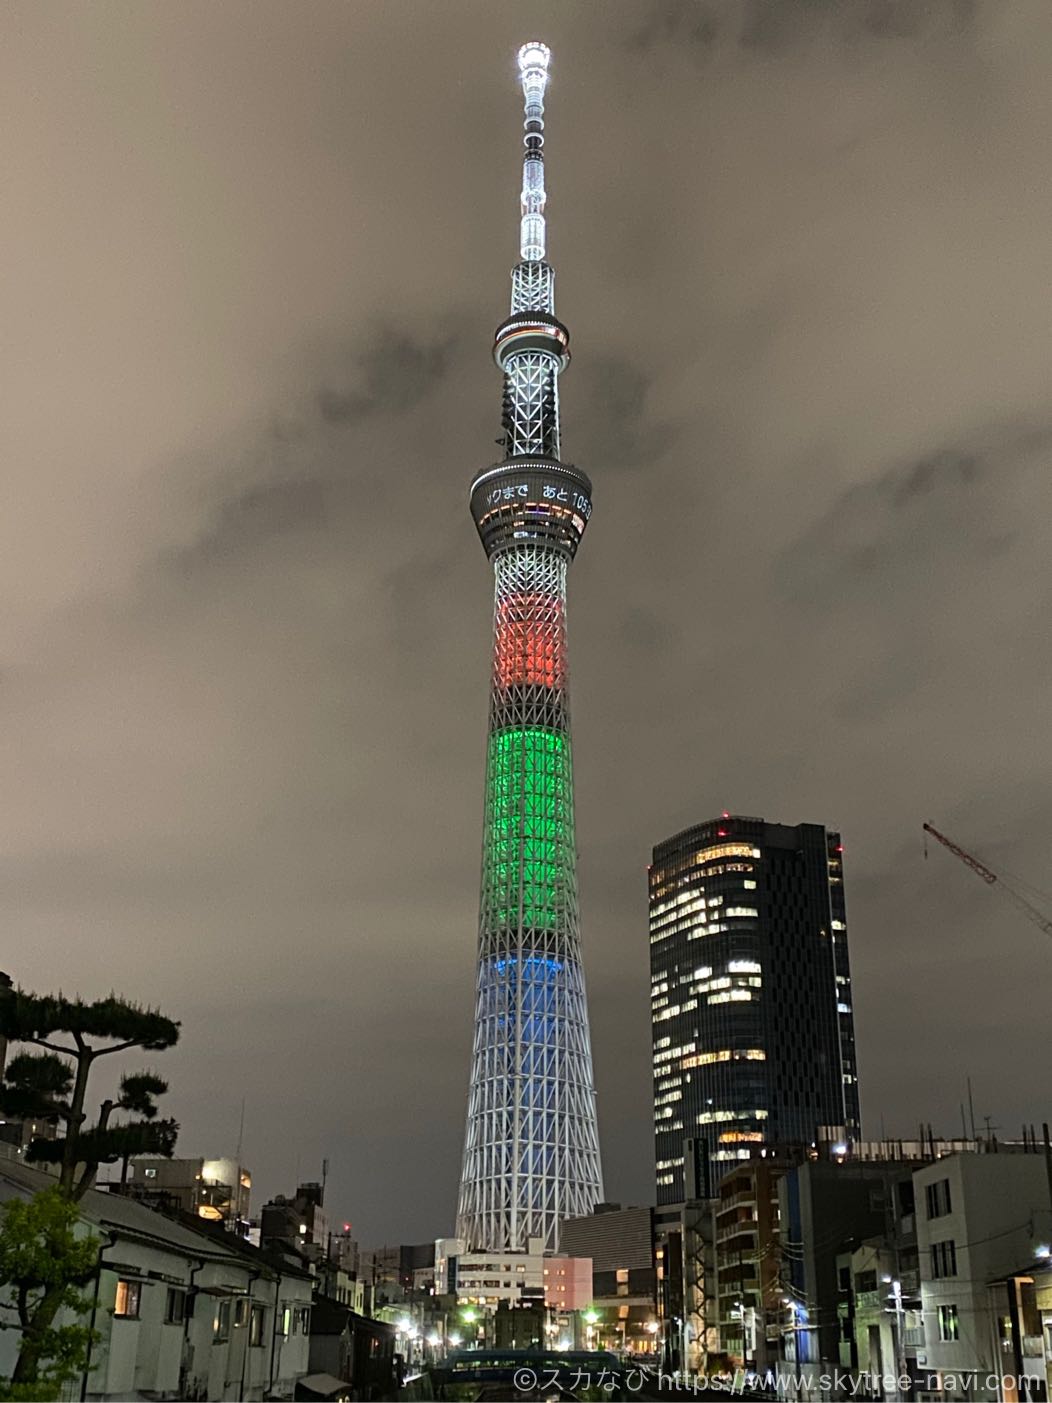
x=533, y=70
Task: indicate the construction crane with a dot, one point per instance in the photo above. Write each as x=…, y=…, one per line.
x=990, y=878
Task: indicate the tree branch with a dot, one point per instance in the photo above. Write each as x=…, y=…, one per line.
x=64, y=1048
x=118, y=1047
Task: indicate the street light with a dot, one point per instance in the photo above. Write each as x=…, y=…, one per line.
x=895, y=1294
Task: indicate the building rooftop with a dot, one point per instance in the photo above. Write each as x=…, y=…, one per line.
x=131, y=1218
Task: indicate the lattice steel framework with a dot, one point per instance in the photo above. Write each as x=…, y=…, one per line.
x=531, y=1152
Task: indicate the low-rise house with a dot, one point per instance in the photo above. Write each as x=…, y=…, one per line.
x=181, y=1312
x=347, y=1347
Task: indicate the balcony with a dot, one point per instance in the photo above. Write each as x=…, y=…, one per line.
x=739, y=1229
x=742, y=1197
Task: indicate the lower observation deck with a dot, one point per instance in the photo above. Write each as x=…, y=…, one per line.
x=538, y=500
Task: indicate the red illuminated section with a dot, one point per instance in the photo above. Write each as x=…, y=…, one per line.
x=530, y=642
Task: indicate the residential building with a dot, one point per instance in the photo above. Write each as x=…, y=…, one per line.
x=344, y=1250
x=752, y=1024
x=182, y=1310
x=685, y=1263
x=299, y=1221
x=217, y=1190
x=346, y=1347
x=984, y=1227
x=825, y=1207
x=749, y=1262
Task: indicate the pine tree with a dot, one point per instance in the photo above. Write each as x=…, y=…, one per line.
x=52, y=1085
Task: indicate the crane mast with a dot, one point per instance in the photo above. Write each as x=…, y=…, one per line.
x=991, y=879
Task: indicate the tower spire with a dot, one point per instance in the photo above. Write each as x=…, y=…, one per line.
x=531, y=1149
x=533, y=70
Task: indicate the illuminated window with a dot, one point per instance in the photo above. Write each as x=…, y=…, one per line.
x=221, y=1323
x=746, y=1054
x=949, y=1325
x=126, y=1302
x=257, y=1325
x=726, y=850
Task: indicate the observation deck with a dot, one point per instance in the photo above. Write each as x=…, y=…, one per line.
x=531, y=500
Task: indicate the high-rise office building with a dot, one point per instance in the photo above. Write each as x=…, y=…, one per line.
x=753, y=1033
x=531, y=1151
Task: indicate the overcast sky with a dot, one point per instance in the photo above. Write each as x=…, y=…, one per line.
x=253, y=257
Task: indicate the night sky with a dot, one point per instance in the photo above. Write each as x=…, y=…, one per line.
x=253, y=257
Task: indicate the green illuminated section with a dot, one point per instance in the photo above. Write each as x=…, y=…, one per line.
x=529, y=853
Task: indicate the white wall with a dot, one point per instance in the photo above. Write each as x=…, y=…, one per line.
x=999, y=1213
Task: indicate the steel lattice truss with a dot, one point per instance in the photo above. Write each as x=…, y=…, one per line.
x=531, y=1152
x=533, y=288
x=531, y=405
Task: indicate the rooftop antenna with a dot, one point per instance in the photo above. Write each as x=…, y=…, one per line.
x=241, y=1133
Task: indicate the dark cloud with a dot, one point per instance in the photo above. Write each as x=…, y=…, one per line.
x=695, y=24
x=392, y=375
x=801, y=251
x=943, y=512
x=612, y=393
x=775, y=27
x=250, y=521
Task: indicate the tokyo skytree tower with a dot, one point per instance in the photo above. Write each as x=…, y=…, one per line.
x=531, y=1150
